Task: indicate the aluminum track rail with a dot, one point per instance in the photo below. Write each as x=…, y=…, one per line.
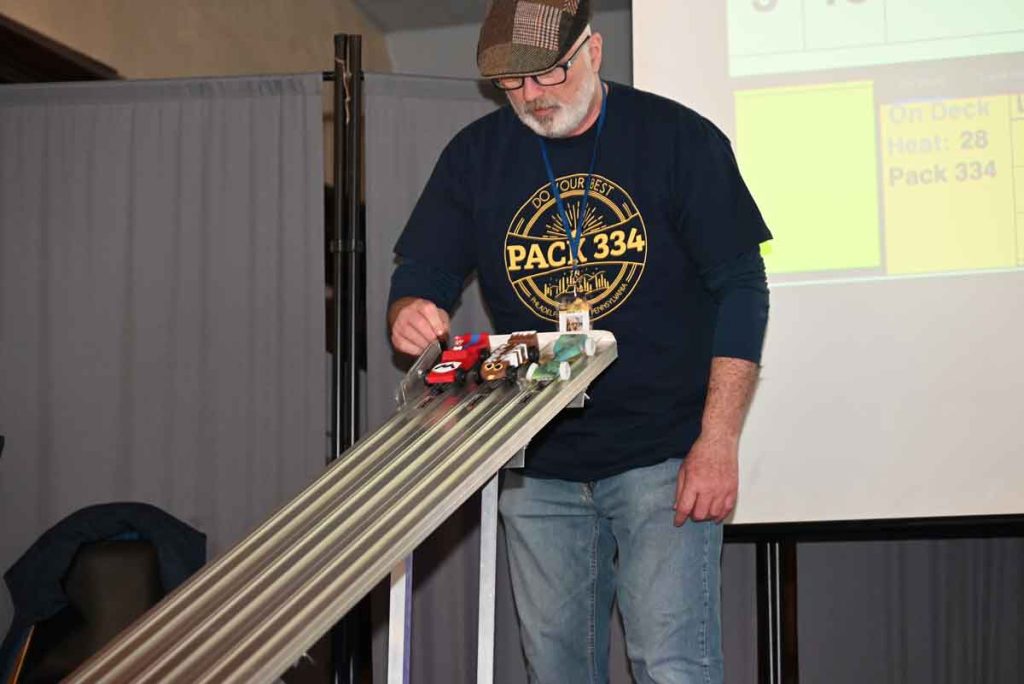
x=251, y=614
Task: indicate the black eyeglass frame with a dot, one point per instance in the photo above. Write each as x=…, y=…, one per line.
x=564, y=67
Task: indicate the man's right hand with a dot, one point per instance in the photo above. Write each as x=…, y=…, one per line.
x=415, y=323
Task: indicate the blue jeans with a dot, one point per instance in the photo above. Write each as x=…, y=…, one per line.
x=562, y=543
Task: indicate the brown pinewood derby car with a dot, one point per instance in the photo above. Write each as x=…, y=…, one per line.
x=520, y=349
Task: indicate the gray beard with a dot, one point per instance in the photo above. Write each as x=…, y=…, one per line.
x=567, y=117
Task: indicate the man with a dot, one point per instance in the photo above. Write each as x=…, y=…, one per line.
x=623, y=499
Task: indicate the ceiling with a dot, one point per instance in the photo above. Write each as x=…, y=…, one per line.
x=403, y=15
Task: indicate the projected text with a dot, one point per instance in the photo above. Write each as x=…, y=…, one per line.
x=948, y=185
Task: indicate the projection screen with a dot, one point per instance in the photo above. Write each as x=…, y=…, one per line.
x=884, y=143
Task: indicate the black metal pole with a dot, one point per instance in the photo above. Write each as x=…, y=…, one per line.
x=777, y=654
x=350, y=241
x=355, y=240
x=351, y=636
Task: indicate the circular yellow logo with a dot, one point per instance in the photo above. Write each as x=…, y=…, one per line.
x=612, y=249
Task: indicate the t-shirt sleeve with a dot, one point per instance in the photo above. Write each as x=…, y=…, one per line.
x=413, y=279
x=740, y=289
x=439, y=231
x=718, y=218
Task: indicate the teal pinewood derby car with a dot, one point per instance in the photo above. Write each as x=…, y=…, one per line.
x=567, y=349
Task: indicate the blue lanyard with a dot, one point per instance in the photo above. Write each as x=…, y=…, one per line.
x=574, y=233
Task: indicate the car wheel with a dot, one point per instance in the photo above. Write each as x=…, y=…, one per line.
x=531, y=371
x=589, y=347
x=564, y=370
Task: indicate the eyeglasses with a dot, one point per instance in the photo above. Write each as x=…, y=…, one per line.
x=554, y=76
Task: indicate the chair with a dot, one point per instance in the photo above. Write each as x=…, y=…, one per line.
x=86, y=579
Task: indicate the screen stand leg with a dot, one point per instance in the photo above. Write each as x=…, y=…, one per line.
x=776, y=613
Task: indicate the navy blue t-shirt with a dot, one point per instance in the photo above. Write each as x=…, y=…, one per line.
x=667, y=206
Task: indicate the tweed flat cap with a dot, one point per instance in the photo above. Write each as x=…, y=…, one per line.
x=524, y=37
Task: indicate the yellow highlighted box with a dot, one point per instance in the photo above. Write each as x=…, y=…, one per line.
x=809, y=157
x=948, y=180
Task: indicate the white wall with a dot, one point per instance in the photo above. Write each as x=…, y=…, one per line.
x=451, y=50
x=158, y=39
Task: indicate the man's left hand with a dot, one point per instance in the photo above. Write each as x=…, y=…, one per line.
x=708, y=480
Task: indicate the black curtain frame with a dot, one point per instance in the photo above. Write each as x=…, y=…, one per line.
x=349, y=246
x=351, y=637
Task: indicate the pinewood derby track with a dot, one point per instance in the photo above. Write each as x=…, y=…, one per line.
x=253, y=612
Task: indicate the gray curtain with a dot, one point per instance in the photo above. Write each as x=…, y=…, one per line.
x=161, y=301
x=927, y=612
x=408, y=122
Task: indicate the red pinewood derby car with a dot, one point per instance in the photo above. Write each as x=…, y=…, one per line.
x=459, y=359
